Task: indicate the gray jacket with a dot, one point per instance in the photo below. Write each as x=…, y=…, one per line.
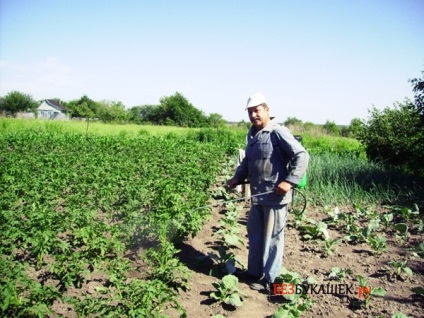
x=272, y=155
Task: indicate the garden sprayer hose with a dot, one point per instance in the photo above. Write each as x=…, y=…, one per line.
x=297, y=212
x=295, y=189
x=215, y=204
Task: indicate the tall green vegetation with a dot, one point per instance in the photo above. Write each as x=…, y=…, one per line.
x=345, y=179
x=72, y=204
x=15, y=102
x=395, y=136
x=331, y=128
x=418, y=88
x=175, y=110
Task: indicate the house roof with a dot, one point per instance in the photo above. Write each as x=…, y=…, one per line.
x=55, y=104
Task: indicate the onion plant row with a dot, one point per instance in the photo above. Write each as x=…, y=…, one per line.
x=347, y=180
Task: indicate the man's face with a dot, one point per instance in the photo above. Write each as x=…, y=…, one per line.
x=259, y=116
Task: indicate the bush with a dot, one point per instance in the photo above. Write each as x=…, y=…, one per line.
x=334, y=145
x=331, y=128
x=395, y=136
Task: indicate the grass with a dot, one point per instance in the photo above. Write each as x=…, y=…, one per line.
x=93, y=127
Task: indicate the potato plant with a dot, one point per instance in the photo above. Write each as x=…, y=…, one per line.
x=73, y=204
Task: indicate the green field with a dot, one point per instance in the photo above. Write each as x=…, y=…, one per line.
x=85, y=127
x=76, y=201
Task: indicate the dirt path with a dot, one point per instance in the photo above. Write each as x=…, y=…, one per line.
x=305, y=258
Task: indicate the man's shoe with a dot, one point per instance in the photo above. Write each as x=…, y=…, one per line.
x=245, y=275
x=262, y=285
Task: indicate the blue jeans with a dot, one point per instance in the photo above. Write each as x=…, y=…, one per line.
x=265, y=230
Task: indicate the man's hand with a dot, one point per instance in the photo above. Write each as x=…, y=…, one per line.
x=232, y=183
x=283, y=187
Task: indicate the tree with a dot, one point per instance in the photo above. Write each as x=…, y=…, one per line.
x=418, y=88
x=331, y=128
x=151, y=113
x=216, y=120
x=395, y=136
x=83, y=108
x=356, y=127
x=177, y=110
x=15, y=102
x=292, y=121
x=112, y=111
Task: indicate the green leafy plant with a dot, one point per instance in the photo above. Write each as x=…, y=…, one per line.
x=230, y=236
x=400, y=315
x=330, y=244
x=365, y=211
x=297, y=303
x=291, y=277
x=229, y=231
x=334, y=216
x=418, y=251
x=407, y=213
x=397, y=269
x=339, y=273
x=314, y=230
x=401, y=232
x=420, y=225
x=293, y=309
x=72, y=203
x=378, y=243
x=352, y=230
x=225, y=261
x=227, y=291
x=369, y=292
x=386, y=219
x=164, y=265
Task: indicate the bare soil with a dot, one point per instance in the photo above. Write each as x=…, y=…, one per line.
x=306, y=258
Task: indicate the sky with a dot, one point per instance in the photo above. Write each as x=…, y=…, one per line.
x=317, y=61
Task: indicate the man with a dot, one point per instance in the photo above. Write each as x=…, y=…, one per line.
x=274, y=162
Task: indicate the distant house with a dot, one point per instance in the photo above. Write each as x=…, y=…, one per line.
x=50, y=109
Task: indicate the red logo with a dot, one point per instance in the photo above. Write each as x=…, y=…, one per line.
x=364, y=291
x=283, y=289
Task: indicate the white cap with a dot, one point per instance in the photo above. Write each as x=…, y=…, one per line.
x=255, y=100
